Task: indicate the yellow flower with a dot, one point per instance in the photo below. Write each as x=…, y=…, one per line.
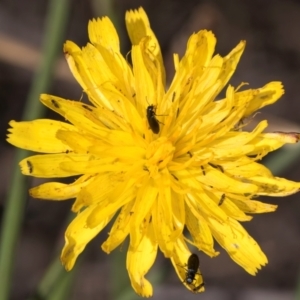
x=158, y=160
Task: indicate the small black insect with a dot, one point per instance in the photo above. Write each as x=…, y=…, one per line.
x=218, y=167
x=30, y=166
x=151, y=117
x=192, y=268
x=222, y=200
x=55, y=104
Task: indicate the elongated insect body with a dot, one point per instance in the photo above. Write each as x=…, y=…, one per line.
x=192, y=268
x=151, y=117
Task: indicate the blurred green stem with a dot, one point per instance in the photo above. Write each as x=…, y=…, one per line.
x=283, y=159
x=120, y=282
x=298, y=287
x=13, y=216
x=62, y=289
x=57, y=282
x=52, y=277
x=56, y=275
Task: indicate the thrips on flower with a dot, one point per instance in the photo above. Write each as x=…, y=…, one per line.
x=198, y=157
x=222, y=199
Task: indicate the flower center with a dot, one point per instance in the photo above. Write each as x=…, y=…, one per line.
x=158, y=154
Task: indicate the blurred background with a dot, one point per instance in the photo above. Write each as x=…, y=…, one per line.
x=271, y=29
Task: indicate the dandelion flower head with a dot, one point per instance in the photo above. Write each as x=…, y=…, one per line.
x=173, y=167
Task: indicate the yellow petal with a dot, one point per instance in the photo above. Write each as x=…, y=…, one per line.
x=267, y=142
x=104, y=37
x=71, y=49
x=240, y=246
x=201, y=204
x=208, y=83
x=60, y=191
x=199, y=51
x=163, y=230
x=145, y=200
x=200, y=48
x=266, y=95
x=233, y=211
x=102, y=32
x=222, y=182
x=139, y=261
x=49, y=165
x=178, y=209
x=81, y=72
x=77, y=114
x=79, y=143
x=143, y=80
x=232, y=139
x=112, y=203
x=230, y=63
x=138, y=27
x=120, y=229
x=251, y=206
x=107, y=81
x=201, y=233
x=39, y=135
x=77, y=235
x=91, y=194
x=275, y=186
x=245, y=167
x=179, y=261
